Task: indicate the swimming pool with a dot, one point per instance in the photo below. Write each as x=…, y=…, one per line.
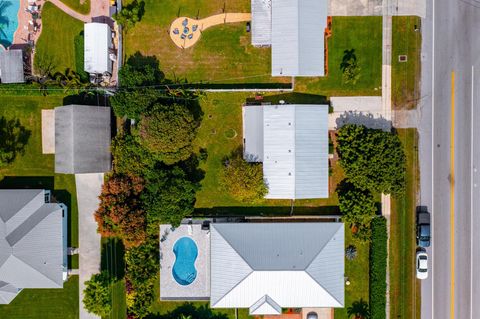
x=8, y=21
x=186, y=253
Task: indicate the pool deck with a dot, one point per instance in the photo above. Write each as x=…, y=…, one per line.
x=169, y=288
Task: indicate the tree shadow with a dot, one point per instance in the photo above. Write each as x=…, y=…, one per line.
x=188, y=309
x=27, y=182
x=359, y=309
x=87, y=98
x=139, y=62
x=366, y=119
x=348, y=57
x=13, y=139
x=112, y=258
x=4, y=21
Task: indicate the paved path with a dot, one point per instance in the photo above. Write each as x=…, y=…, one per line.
x=88, y=189
x=48, y=131
x=184, y=27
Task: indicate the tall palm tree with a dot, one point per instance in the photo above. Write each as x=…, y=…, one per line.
x=359, y=310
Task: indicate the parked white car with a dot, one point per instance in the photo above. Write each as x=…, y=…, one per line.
x=422, y=265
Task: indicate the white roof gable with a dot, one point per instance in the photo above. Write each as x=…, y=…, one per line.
x=98, y=40
x=265, y=306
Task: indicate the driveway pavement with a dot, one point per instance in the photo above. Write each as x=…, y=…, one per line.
x=88, y=189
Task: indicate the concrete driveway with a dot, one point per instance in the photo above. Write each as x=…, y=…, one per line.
x=89, y=187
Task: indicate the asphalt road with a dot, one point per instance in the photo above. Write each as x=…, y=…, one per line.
x=450, y=157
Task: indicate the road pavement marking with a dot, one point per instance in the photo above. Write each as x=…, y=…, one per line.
x=452, y=201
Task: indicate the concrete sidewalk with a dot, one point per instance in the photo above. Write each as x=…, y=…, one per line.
x=89, y=187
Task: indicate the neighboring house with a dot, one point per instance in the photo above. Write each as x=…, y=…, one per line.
x=292, y=142
x=82, y=139
x=33, y=242
x=295, y=31
x=11, y=66
x=261, y=266
x=98, y=46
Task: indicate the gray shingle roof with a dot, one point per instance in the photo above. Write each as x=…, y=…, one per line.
x=31, y=242
x=11, y=66
x=287, y=264
x=82, y=139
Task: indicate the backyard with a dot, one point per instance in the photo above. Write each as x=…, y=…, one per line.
x=56, y=45
x=363, y=35
x=32, y=169
x=81, y=6
x=404, y=287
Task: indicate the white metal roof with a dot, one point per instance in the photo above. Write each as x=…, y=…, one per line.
x=298, y=42
x=261, y=22
x=294, y=149
x=98, y=41
x=267, y=266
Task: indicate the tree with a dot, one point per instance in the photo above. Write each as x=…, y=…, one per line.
x=243, y=180
x=133, y=103
x=97, y=295
x=129, y=157
x=349, y=67
x=359, y=310
x=168, y=132
x=356, y=205
x=120, y=213
x=351, y=252
x=169, y=196
x=372, y=159
x=13, y=139
x=130, y=14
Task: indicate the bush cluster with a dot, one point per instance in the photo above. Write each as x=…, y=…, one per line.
x=378, y=268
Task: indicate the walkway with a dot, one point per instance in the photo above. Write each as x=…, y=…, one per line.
x=185, y=32
x=88, y=189
x=98, y=8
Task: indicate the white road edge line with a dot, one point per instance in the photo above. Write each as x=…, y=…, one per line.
x=432, y=227
x=471, y=202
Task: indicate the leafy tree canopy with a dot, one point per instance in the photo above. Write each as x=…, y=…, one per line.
x=133, y=103
x=372, y=159
x=243, y=180
x=129, y=157
x=168, y=132
x=356, y=205
x=130, y=14
x=120, y=212
x=13, y=139
x=97, y=295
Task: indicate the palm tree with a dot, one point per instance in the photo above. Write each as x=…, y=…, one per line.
x=359, y=310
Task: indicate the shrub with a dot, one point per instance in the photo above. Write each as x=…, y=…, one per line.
x=378, y=268
x=97, y=295
x=351, y=252
x=372, y=159
x=243, y=180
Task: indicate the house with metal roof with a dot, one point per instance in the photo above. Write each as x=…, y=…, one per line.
x=292, y=142
x=98, y=44
x=33, y=242
x=295, y=31
x=11, y=66
x=82, y=139
x=269, y=266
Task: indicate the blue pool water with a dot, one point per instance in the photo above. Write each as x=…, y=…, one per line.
x=8, y=21
x=186, y=253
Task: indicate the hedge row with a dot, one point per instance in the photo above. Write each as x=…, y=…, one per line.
x=378, y=268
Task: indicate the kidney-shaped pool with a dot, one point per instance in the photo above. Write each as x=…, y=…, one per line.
x=186, y=253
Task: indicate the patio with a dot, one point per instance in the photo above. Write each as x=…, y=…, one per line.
x=170, y=289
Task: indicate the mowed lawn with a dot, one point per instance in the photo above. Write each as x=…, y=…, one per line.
x=81, y=6
x=56, y=43
x=222, y=55
x=221, y=134
x=44, y=303
x=404, y=287
x=362, y=34
x=407, y=40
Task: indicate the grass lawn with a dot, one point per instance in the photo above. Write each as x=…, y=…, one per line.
x=362, y=34
x=44, y=303
x=81, y=6
x=113, y=262
x=56, y=43
x=406, y=75
x=222, y=114
x=33, y=169
x=404, y=287
x=222, y=55
x=357, y=271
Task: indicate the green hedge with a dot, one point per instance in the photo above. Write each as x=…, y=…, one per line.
x=378, y=268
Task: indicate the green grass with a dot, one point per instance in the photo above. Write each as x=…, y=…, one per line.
x=222, y=55
x=113, y=261
x=222, y=114
x=81, y=6
x=357, y=271
x=364, y=35
x=404, y=287
x=56, y=43
x=406, y=75
x=44, y=303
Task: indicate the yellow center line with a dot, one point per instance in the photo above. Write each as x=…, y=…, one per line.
x=452, y=201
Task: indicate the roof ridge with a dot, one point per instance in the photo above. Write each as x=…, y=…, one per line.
x=35, y=269
x=329, y=293
x=326, y=243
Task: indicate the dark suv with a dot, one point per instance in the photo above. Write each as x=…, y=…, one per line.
x=423, y=226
